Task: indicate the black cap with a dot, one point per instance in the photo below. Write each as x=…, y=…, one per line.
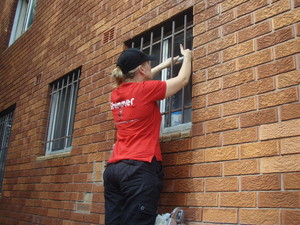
x=131, y=58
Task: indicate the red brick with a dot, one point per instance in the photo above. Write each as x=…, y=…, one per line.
x=289, y=79
x=199, y=76
x=202, y=199
x=238, y=199
x=183, y=185
x=207, y=37
x=186, y=158
x=177, y=172
x=290, y=145
x=173, y=199
x=279, y=164
x=228, y=123
x=298, y=29
x=207, y=87
x=200, y=52
x=209, y=113
x=291, y=181
x=276, y=67
x=282, y=199
x=221, y=184
x=199, y=102
x=287, y=19
x=278, y=98
x=260, y=216
x=238, y=78
x=272, y=10
x=291, y=111
x=221, y=43
x=230, y=4
x=259, y=149
x=255, y=59
x=275, y=38
x=206, y=170
x=260, y=182
x=239, y=106
x=220, y=20
x=176, y=146
x=241, y=167
x=222, y=96
x=291, y=217
x=91, y=218
x=199, y=29
x=212, y=2
x=220, y=215
x=206, y=14
x=199, y=7
x=250, y=6
x=197, y=129
x=205, y=141
x=207, y=61
x=254, y=31
x=259, y=117
x=221, y=154
x=287, y=48
x=238, y=50
x=192, y=214
x=221, y=69
x=237, y=25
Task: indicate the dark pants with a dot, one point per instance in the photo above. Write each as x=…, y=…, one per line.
x=132, y=190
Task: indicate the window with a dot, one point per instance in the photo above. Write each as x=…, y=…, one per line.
x=6, y=118
x=62, y=112
x=164, y=41
x=23, y=18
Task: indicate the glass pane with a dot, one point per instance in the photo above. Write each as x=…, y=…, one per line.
x=31, y=14
x=187, y=115
x=176, y=118
x=21, y=18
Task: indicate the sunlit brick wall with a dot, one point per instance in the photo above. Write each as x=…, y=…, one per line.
x=238, y=164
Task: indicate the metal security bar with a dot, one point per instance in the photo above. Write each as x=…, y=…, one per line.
x=164, y=41
x=62, y=112
x=6, y=118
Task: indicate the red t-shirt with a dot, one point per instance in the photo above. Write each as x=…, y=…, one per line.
x=137, y=118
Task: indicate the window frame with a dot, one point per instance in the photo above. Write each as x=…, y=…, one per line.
x=6, y=122
x=62, y=106
x=146, y=42
x=22, y=19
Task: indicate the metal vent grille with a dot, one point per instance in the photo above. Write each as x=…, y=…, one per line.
x=108, y=35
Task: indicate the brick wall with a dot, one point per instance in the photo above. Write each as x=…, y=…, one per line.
x=7, y=10
x=239, y=164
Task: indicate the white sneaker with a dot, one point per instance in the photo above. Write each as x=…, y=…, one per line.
x=177, y=217
x=162, y=219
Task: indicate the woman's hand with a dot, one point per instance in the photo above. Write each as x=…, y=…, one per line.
x=168, y=62
x=187, y=53
x=187, y=57
x=176, y=83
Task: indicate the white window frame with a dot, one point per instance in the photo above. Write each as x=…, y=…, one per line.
x=25, y=10
x=62, y=113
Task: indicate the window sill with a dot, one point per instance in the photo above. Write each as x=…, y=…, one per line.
x=176, y=132
x=54, y=156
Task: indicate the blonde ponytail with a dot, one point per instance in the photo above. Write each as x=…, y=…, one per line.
x=118, y=75
x=121, y=77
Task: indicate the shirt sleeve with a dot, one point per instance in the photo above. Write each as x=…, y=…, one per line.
x=154, y=90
